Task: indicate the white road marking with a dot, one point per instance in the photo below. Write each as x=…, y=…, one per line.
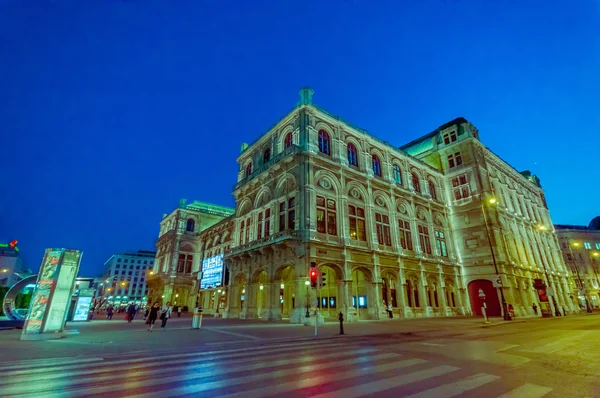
x=246, y=336
x=527, y=390
x=456, y=388
x=434, y=344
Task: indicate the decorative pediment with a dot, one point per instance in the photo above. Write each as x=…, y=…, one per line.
x=186, y=248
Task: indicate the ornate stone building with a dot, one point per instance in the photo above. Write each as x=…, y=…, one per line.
x=580, y=247
x=426, y=228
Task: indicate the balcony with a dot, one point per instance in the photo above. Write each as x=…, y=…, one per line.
x=257, y=244
x=275, y=159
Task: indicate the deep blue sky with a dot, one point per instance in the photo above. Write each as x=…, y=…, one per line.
x=110, y=111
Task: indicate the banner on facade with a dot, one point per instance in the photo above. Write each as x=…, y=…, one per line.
x=542, y=292
x=52, y=294
x=212, y=272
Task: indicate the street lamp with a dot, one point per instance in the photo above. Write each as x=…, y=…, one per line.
x=492, y=201
x=4, y=270
x=576, y=245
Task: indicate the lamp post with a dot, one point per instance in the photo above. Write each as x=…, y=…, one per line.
x=593, y=257
x=587, y=304
x=493, y=201
x=548, y=281
x=307, y=283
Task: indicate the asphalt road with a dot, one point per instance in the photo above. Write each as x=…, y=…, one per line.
x=557, y=357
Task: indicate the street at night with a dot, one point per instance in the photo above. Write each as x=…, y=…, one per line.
x=554, y=357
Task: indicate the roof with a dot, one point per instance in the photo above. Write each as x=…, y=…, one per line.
x=571, y=227
x=209, y=208
x=455, y=122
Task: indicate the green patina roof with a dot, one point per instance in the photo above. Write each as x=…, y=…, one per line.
x=209, y=208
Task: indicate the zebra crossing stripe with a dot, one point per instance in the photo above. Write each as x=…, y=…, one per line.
x=456, y=388
x=45, y=362
x=200, y=386
x=320, y=379
x=244, y=364
x=31, y=373
x=386, y=384
x=527, y=390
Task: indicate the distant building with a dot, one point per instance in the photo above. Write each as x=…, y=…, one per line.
x=11, y=264
x=124, y=278
x=580, y=246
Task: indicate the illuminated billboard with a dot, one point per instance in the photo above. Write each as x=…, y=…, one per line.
x=212, y=272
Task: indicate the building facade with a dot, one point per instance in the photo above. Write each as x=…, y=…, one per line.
x=438, y=227
x=125, y=278
x=180, y=250
x=580, y=246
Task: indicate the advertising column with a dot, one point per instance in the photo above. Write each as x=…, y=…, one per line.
x=52, y=295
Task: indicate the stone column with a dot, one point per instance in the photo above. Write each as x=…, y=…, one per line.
x=427, y=310
x=274, y=302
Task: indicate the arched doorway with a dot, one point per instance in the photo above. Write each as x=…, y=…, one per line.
x=328, y=293
x=360, y=292
x=260, y=285
x=285, y=278
x=388, y=289
x=238, y=292
x=491, y=297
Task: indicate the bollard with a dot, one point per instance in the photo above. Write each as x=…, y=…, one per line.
x=197, y=319
x=341, y=318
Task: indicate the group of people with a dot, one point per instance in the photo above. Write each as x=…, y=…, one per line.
x=156, y=312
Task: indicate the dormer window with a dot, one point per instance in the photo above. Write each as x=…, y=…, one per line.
x=449, y=137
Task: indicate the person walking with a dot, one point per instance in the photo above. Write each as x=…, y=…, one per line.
x=165, y=314
x=534, y=308
x=147, y=312
x=179, y=312
x=130, y=312
x=390, y=311
x=109, y=312
x=153, y=315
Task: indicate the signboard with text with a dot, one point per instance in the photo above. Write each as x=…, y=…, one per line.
x=212, y=272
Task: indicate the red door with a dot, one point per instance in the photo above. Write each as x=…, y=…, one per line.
x=491, y=297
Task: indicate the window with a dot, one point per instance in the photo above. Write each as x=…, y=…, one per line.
x=267, y=155
x=249, y=169
x=352, y=155
x=184, y=263
x=424, y=239
x=242, y=232
x=282, y=215
x=326, y=216
x=382, y=224
x=118, y=260
x=432, y=190
x=376, y=166
x=259, y=226
x=288, y=141
x=248, y=226
x=454, y=160
x=126, y=260
x=264, y=224
x=323, y=142
x=267, y=222
x=191, y=224
x=138, y=267
x=587, y=245
x=151, y=261
x=415, y=182
x=292, y=213
x=449, y=137
x=405, y=235
x=145, y=262
x=357, y=223
x=597, y=245
x=440, y=243
x=461, y=187
x=397, y=174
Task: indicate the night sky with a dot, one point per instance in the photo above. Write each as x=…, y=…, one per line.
x=111, y=111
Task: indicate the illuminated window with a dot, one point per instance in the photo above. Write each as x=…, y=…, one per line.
x=326, y=216
x=461, y=187
x=292, y=213
x=397, y=174
x=248, y=226
x=191, y=224
x=376, y=166
x=242, y=232
x=432, y=191
x=587, y=245
x=440, y=242
x=352, y=155
x=282, y=214
x=357, y=223
x=424, y=239
x=288, y=140
x=382, y=224
x=267, y=155
x=249, y=169
x=267, y=222
x=405, y=234
x=323, y=142
x=259, y=226
x=415, y=182
x=454, y=160
x=597, y=245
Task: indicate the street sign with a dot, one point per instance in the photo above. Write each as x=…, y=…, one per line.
x=497, y=282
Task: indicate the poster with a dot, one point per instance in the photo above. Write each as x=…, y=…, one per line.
x=82, y=309
x=212, y=272
x=53, y=291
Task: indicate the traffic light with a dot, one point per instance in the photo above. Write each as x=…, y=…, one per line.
x=313, y=275
x=323, y=279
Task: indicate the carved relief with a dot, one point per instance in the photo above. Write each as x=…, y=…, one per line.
x=325, y=183
x=355, y=193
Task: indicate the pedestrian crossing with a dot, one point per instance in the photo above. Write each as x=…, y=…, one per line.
x=303, y=368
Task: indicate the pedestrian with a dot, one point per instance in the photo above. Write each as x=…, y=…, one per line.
x=109, y=312
x=391, y=311
x=165, y=314
x=130, y=312
x=564, y=311
x=511, y=310
x=179, y=312
x=146, y=313
x=534, y=308
x=152, y=315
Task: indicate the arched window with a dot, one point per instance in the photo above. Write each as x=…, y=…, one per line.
x=323, y=142
x=249, y=169
x=432, y=190
x=397, y=174
x=352, y=155
x=416, y=184
x=191, y=224
x=288, y=141
x=267, y=155
x=376, y=166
